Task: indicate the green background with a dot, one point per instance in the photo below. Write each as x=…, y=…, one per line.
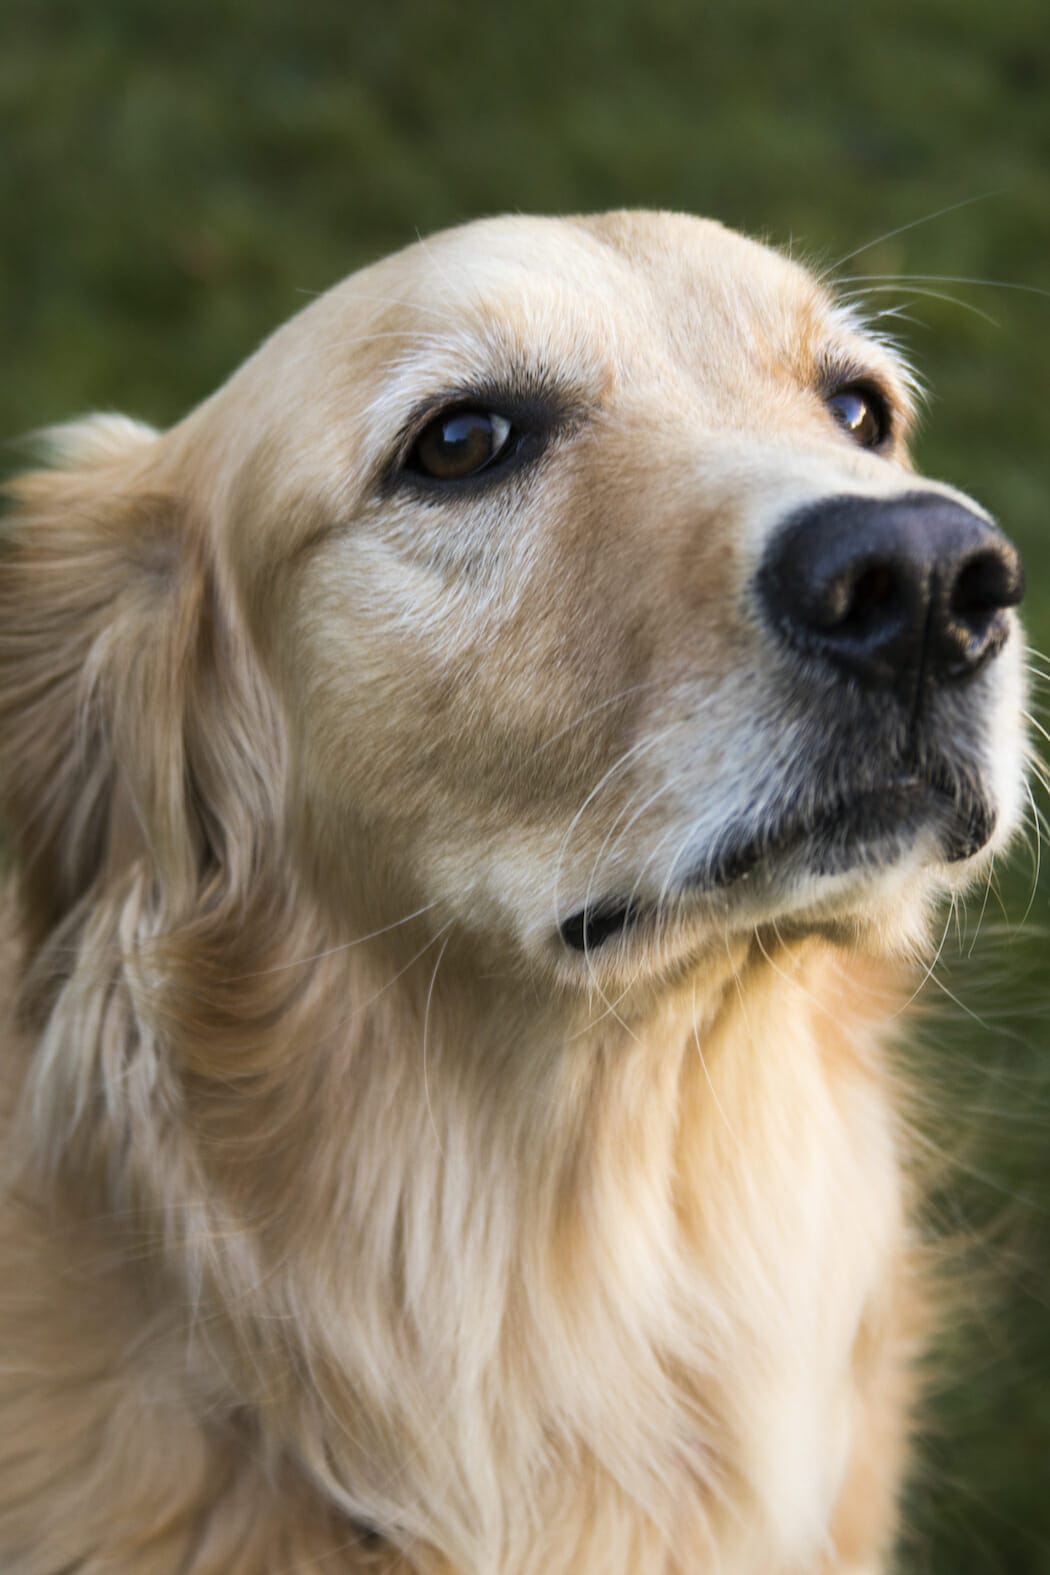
x=177, y=178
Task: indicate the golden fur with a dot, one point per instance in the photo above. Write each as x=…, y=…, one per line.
x=352, y=1220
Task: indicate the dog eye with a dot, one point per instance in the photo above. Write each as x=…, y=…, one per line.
x=863, y=413
x=460, y=443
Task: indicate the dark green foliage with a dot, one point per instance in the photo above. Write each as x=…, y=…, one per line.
x=177, y=175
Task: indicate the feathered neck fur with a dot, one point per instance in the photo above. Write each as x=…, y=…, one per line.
x=345, y=1254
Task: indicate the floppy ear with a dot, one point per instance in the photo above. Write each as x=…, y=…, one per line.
x=132, y=717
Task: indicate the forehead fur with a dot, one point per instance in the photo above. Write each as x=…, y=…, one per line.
x=614, y=288
x=630, y=305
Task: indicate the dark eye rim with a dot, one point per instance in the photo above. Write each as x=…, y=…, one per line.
x=502, y=455
x=534, y=420
x=878, y=402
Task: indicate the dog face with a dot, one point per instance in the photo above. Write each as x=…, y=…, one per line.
x=603, y=611
x=522, y=519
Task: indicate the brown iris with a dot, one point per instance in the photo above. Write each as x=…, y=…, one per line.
x=861, y=412
x=459, y=443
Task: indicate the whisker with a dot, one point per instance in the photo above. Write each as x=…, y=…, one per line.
x=936, y=295
x=929, y=971
x=426, y=1024
x=1038, y=822
x=907, y=279
x=1040, y=729
x=632, y=896
x=603, y=705
x=1039, y=770
x=343, y=1022
x=913, y=224
x=332, y=951
x=640, y=806
x=587, y=950
x=984, y=904
x=790, y=980
x=980, y=1021
x=710, y=1084
x=619, y=764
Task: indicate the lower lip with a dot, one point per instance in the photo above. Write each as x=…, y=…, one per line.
x=867, y=820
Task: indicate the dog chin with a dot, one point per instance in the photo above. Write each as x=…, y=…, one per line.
x=876, y=894
x=883, y=908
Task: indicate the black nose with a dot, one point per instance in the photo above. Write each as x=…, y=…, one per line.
x=891, y=590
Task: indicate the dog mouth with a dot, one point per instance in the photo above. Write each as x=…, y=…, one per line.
x=866, y=830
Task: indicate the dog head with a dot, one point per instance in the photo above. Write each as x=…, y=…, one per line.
x=559, y=591
x=567, y=580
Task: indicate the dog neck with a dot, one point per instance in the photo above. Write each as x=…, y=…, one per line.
x=403, y=1206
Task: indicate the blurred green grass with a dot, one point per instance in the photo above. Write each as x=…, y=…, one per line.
x=177, y=179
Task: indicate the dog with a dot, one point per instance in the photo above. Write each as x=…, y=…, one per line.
x=478, y=788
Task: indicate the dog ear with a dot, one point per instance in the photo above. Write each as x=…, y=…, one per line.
x=132, y=718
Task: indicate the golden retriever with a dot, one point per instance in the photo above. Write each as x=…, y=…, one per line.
x=473, y=785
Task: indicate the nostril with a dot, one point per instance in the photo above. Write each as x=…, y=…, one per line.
x=973, y=627
x=983, y=586
x=871, y=592
x=847, y=600
x=855, y=603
